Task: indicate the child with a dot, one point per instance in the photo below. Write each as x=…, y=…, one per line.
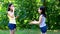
x=12, y=21
x=42, y=20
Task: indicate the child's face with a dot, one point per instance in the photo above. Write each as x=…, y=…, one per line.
x=39, y=10
x=11, y=7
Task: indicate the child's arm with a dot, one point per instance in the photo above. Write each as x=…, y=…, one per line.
x=36, y=22
x=40, y=19
x=10, y=15
x=13, y=10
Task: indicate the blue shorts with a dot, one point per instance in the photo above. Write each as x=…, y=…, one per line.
x=12, y=26
x=43, y=29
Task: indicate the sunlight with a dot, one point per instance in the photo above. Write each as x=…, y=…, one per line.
x=6, y=1
x=55, y=30
x=25, y=21
x=48, y=0
x=11, y=1
x=39, y=2
x=0, y=7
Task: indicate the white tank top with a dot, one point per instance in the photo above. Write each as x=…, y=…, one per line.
x=12, y=20
x=42, y=24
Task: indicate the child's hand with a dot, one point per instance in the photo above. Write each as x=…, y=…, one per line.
x=13, y=9
x=17, y=16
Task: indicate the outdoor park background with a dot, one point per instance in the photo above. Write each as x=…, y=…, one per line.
x=27, y=11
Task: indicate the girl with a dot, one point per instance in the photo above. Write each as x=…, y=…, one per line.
x=12, y=22
x=42, y=20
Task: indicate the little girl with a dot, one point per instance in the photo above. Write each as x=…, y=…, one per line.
x=42, y=19
x=12, y=21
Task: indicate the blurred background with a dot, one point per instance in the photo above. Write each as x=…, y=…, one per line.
x=27, y=11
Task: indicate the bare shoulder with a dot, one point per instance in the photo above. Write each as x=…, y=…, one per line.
x=41, y=15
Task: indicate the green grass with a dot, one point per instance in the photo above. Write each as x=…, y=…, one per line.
x=29, y=31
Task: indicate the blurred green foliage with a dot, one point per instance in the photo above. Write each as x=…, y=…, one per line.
x=27, y=11
x=53, y=14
